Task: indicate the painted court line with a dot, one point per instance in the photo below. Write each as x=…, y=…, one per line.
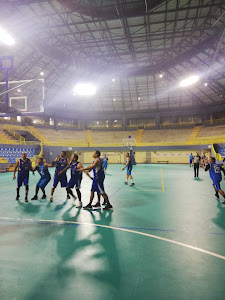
x=120, y=229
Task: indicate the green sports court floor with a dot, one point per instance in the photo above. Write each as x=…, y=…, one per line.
x=155, y=244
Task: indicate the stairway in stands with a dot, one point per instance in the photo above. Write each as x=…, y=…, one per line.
x=89, y=138
x=193, y=135
x=139, y=138
x=38, y=136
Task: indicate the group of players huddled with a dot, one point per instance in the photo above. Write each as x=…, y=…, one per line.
x=213, y=168
x=62, y=164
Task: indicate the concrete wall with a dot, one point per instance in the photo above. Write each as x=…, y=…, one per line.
x=173, y=154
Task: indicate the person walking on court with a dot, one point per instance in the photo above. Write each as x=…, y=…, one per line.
x=129, y=167
x=24, y=167
x=197, y=160
x=215, y=175
x=191, y=159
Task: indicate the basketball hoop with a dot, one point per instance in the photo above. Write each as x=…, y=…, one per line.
x=129, y=142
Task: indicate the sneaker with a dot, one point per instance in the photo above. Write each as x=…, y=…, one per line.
x=97, y=205
x=51, y=199
x=217, y=195
x=89, y=206
x=26, y=200
x=43, y=197
x=68, y=197
x=17, y=198
x=108, y=207
x=104, y=203
x=79, y=204
x=34, y=198
x=126, y=183
x=132, y=184
x=223, y=202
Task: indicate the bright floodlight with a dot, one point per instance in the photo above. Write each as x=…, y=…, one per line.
x=42, y=73
x=205, y=84
x=190, y=80
x=6, y=38
x=85, y=89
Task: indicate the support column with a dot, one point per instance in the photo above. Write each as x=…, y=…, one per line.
x=124, y=122
x=157, y=121
x=56, y=124
x=6, y=88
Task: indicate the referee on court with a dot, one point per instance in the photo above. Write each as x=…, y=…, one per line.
x=197, y=160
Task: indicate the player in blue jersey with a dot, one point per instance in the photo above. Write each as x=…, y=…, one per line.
x=191, y=157
x=76, y=178
x=98, y=182
x=215, y=175
x=129, y=167
x=60, y=163
x=24, y=167
x=105, y=162
x=42, y=169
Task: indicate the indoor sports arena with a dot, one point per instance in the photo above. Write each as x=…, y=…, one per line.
x=112, y=149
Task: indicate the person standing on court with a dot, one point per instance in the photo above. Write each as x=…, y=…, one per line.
x=216, y=176
x=191, y=159
x=60, y=163
x=129, y=167
x=24, y=167
x=197, y=160
x=105, y=162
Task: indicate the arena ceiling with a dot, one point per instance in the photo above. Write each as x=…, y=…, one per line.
x=132, y=42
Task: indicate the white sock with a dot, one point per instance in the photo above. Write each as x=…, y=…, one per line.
x=126, y=180
x=131, y=181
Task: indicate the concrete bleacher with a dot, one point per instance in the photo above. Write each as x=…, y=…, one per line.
x=212, y=131
x=63, y=135
x=166, y=136
x=112, y=137
x=115, y=138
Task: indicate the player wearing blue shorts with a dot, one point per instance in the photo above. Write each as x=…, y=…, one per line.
x=129, y=167
x=24, y=167
x=42, y=169
x=76, y=178
x=215, y=175
x=60, y=162
x=105, y=162
x=98, y=181
x=191, y=157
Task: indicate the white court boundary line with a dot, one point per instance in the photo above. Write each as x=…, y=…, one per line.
x=121, y=229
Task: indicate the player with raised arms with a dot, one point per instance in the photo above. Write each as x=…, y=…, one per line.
x=60, y=163
x=129, y=167
x=42, y=168
x=215, y=175
x=24, y=167
x=98, y=181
